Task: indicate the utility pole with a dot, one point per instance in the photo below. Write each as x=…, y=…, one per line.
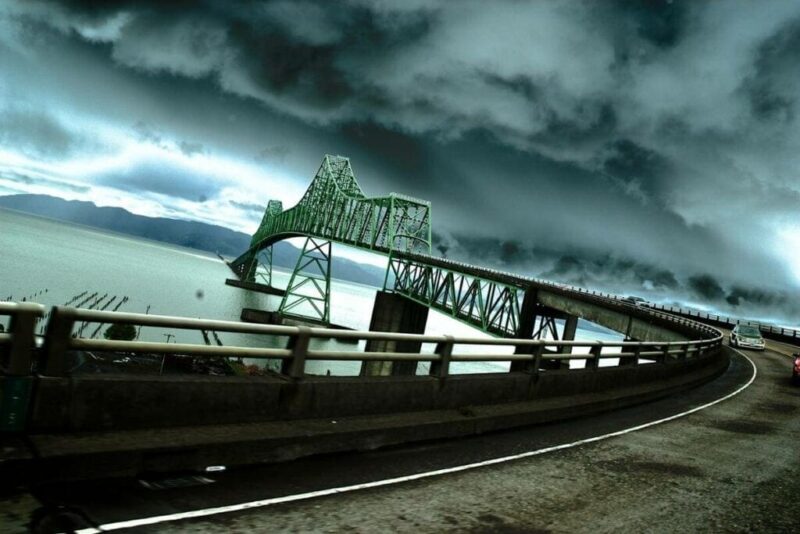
x=138, y=330
x=164, y=356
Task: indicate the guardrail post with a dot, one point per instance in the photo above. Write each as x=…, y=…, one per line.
x=595, y=351
x=56, y=341
x=441, y=367
x=22, y=329
x=537, y=358
x=664, y=353
x=685, y=353
x=15, y=388
x=295, y=365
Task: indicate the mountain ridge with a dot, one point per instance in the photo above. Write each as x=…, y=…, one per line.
x=190, y=234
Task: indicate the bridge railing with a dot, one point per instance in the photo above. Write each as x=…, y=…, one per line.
x=730, y=321
x=17, y=344
x=60, y=338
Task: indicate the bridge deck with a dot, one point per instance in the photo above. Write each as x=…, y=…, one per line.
x=651, y=479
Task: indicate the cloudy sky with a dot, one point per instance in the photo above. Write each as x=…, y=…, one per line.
x=640, y=147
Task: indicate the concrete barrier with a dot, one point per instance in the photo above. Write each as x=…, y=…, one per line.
x=100, y=426
x=91, y=403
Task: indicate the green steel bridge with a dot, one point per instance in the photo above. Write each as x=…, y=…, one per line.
x=335, y=209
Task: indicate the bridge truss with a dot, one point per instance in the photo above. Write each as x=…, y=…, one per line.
x=491, y=306
x=335, y=209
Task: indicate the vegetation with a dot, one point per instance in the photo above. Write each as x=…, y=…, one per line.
x=122, y=332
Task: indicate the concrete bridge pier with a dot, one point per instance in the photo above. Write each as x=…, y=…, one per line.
x=570, y=327
x=527, y=320
x=394, y=313
x=531, y=309
x=568, y=334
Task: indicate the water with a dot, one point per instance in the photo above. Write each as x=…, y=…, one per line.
x=38, y=254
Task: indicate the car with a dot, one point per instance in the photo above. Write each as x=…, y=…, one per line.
x=636, y=301
x=747, y=337
x=796, y=369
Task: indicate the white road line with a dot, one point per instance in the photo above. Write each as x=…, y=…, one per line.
x=389, y=481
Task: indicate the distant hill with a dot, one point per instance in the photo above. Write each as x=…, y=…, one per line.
x=197, y=235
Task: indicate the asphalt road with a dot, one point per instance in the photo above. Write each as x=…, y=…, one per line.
x=734, y=466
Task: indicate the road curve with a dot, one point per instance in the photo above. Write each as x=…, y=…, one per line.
x=732, y=466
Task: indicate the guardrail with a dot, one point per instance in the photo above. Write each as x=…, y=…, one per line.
x=765, y=329
x=45, y=399
x=60, y=338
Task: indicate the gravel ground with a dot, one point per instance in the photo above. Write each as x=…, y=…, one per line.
x=734, y=467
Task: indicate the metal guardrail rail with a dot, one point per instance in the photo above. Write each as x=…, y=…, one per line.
x=18, y=345
x=730, y=321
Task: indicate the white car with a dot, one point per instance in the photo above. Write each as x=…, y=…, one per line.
x=636, y=301
x=747, y=337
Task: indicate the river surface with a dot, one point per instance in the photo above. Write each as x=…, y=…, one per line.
x=51, y=262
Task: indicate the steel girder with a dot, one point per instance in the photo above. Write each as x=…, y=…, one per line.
x=308, y=295
x=264, y=257
x=335, y=208
x=493, y=307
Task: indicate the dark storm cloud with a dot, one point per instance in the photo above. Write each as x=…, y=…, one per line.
x=706, y=286
x=607, y=270
x=274, y=153
x=397, y=150
x=772, y=88
x=21, y=178
x=154, y=178
x=660, y=22
x=251, y=207
x=189, y=148
x=146, y=132
x=580, y=267
x=36, y=133
x=623, y=144
x=641, y=172
x=741, y=295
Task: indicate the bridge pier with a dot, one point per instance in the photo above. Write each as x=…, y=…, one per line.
x=394, y=313
x=570, y=326
x=527, y=320
x=529, y=312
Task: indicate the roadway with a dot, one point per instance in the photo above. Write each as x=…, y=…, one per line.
x=733, y=465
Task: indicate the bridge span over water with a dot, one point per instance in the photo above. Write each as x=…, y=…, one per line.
x=80, y=425
x=335, y=209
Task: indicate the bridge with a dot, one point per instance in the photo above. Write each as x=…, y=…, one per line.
x=335, y=209
x=59, y=425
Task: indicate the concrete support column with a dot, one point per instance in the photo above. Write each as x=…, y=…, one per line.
x=629, y=360
x=570, y=326
x=554, y=365
x=527, y=320
x=394, y=313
